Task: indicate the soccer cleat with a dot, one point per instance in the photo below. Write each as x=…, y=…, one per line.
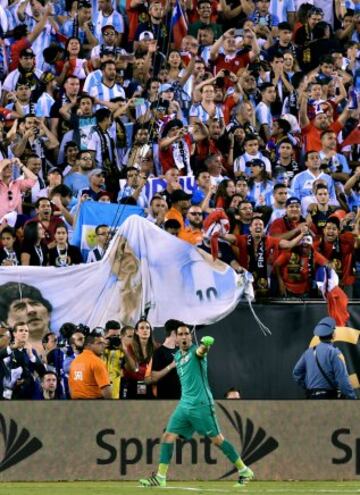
x=245, y=475
x=153, y=480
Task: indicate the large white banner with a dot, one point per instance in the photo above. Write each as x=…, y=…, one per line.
x=145, y=269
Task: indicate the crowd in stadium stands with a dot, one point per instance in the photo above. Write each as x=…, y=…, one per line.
x=257, y=103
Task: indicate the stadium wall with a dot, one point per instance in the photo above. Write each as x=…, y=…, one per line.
x=98, y=440
x=261, y=367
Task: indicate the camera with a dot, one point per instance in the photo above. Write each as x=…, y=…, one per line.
x=114, y=342
x=83, y=329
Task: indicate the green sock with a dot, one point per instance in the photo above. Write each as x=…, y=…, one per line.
x=230, y=452
x=239, y=464
x=166, y=451
x=162, y=470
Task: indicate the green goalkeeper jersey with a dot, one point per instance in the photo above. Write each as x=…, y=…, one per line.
x=192, y=371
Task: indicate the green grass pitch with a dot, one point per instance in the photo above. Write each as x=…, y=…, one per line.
x=182, y=487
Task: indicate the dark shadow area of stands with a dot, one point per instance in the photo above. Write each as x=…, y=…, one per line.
x=261, y=367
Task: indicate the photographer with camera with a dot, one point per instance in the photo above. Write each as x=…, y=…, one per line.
x=88, y=377
x=20, y=363
x=115, y=355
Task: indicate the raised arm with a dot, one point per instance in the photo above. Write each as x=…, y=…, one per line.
x=205, y=344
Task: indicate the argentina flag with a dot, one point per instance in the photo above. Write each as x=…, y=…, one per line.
x=92, y=214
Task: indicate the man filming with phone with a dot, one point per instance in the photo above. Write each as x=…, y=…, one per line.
x=10, y=189
x=230, y=58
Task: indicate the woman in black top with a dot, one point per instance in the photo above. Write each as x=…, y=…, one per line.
x=9, y=254
x=63, y=254
x=34, y=251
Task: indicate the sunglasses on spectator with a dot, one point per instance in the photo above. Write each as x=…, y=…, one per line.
x=10, y=195
x=198, y=213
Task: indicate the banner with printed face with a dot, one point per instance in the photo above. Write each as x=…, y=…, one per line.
x=145, y=270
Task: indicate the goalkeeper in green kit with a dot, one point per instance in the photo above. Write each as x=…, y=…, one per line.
x=195, y=411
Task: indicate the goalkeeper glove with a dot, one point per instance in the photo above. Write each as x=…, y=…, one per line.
x=207, y=341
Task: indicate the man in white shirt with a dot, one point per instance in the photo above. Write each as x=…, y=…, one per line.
x=102, y=241
x=263, y=113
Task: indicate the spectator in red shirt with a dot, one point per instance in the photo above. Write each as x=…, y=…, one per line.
x=257, y=252
x=338, y=249
x=176, y=146
x=312, y=131
x=24, y=39
x=230, y=59
x=47, y=219
x=291, y=224
x=295, y=270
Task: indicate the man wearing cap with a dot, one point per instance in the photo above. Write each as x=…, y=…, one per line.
x=321, y=370
x=180, y=206
x=25, y=35
x=26, y=66
x=97, y=181
x=296, y=270
x=291, y=224
x=32, y=14
x=108, y=16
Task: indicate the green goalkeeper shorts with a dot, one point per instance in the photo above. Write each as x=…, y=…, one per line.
x=186, y=420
